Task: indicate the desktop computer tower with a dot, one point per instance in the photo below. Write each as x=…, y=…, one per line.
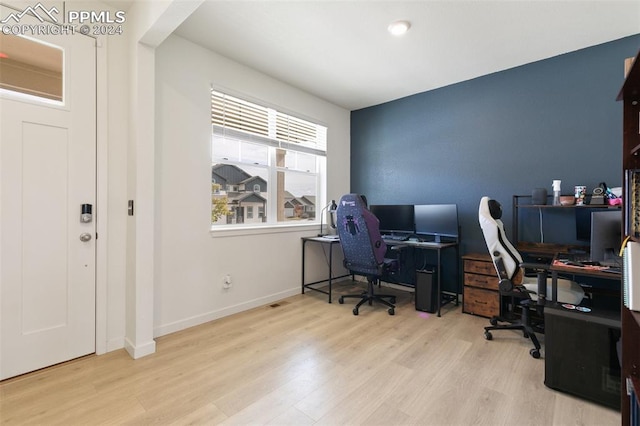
x=581, y=354
x=426, y=290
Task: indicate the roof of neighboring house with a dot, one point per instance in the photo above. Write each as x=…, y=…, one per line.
x=215, y=177
x=230, y=173
x=309, y=199
x=253, y=178
x=305, y=201
x=251, y=197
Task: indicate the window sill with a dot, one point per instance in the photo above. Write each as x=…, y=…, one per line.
x=236, y=231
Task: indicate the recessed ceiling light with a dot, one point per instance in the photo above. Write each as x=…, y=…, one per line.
x=398, y=28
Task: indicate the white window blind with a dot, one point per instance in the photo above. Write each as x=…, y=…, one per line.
x=265, y=125
x=234, y=113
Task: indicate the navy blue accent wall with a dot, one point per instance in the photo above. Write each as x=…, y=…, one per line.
x=498, y=135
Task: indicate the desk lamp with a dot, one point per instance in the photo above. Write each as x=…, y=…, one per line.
x=332, y=206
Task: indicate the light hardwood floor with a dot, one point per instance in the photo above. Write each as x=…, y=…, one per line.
x=307, y=362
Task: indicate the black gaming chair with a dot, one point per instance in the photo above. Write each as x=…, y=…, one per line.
x=512, y=282
x=363, y=249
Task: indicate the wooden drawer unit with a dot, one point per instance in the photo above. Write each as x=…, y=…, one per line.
x=480, y=293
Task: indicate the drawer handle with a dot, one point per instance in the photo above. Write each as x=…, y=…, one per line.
x=480, y=302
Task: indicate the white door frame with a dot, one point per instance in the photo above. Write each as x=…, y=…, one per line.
x=102, y=199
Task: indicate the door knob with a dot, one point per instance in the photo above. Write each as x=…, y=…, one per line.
x=85, y=236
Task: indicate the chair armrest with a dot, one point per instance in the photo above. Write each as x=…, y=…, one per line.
x=517, y=291
x=537, y=266
x=542, y=272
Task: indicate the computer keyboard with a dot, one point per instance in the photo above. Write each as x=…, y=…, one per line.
x=574, y=257
x=395, y=237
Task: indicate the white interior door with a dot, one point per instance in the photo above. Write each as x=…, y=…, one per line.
x=47, y=172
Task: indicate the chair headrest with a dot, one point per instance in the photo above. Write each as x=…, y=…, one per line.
x=353, y=200
x=495, y=209
x=490, y=211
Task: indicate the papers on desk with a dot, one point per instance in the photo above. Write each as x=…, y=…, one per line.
x=579, y=266
x=331, y=237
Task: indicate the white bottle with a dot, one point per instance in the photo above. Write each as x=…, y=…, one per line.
x=556, y=192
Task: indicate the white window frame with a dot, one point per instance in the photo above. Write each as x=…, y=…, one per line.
x=317, y=148
x=26, y=93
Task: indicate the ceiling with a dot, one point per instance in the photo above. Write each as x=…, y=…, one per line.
x=340, y=50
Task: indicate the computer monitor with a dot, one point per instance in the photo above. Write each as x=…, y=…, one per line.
x=437, y=220
x=583, y=221
x=394, y=217
x=606, y=235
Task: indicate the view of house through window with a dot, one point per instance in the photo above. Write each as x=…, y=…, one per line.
x=266, y=166
x=31, y=67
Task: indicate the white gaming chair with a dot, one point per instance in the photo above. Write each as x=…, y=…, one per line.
x=509, y=266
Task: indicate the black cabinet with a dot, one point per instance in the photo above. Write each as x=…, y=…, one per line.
x=582, y=353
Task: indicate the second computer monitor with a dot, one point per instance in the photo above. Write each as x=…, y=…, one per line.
x=606, y=235
x=394, y=218
x=437, y=220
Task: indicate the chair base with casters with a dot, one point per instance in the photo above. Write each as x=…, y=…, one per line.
x=370, y=296
x=522, y=325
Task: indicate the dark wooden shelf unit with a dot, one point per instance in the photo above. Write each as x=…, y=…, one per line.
x=630, y=96
x=545, y=250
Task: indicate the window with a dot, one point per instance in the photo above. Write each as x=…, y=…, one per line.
x=31, y=67
x=263, y=161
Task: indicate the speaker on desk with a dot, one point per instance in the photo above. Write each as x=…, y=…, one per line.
x=539, y=196
x=426, y=290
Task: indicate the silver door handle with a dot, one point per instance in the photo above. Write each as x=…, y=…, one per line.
x=85, y=236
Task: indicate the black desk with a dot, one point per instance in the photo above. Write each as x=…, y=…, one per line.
x=324, y=241
x=438, y=247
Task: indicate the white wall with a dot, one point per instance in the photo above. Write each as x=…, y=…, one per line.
x=150, y=24
x=189, y=261
x=116, y=97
